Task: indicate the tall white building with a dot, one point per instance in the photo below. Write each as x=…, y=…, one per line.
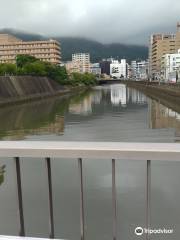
x=170, y=66
x=118, y=69
x=139, y=70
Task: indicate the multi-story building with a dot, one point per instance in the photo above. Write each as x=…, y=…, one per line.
x=71, y=67
x=161, y=44
x=142, y=70
x=139, y=70
x=47, y=51
x=81, y=62
x=105, y=66
x=95, y=69
x=170, y=65
x=133, y=69
x=128, y=66
x=118, y=69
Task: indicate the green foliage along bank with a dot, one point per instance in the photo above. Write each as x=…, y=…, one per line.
x=82, y=79
x=29, y=65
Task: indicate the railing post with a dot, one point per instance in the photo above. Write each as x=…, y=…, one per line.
x=148, y=198
x=81, y=199
x=114, y=201
x=19, y=195
x=50, y=193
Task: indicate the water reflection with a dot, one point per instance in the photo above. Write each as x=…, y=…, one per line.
x=83, y=107
x=118, y=95
x=2, y=171
x=37, y=118
x=106, y=113
x=136, y=97
x=54, y=116
x=162, y=117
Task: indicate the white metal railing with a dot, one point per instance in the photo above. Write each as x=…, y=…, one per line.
x=87, y=150
x=93, y=150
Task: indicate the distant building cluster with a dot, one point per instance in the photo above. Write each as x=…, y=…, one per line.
x=163, y=63
x=164, y=57
x=109, y=68
x=50, y=51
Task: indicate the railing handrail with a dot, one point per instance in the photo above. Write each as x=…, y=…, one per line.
x=91, y=150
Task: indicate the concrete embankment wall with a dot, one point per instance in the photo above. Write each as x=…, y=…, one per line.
x=167, y=94
x=172, y=90
x=23, y=88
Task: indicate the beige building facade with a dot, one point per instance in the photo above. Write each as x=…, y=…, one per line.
x=47, y=51
x=160, y=45
x=80, y=63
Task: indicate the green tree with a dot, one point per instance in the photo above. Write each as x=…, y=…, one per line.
x=8, y=68
x=29, y=65
x=57, y=73
x=35, y=69
x=22, y=60
x=82, y=79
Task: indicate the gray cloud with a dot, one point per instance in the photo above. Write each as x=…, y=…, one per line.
x=125, y=21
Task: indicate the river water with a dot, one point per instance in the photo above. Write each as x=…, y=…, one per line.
x=105, y=113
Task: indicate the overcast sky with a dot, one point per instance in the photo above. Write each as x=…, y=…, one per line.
x=124, y=21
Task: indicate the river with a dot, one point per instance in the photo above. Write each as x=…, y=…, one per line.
x=105, y=113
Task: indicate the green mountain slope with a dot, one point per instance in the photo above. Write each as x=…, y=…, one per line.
x=97, y=50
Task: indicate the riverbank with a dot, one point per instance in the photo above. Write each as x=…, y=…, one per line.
x=20, y=89
x=167, y=94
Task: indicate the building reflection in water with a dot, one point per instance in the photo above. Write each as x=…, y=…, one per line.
x=163, y=117
x=85, y=105
x=118, y=94
x=2, y=171
x=38, y=118
x=135, y=96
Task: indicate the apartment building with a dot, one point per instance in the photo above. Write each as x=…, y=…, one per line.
x=170, y=66
x=118, y=69
x=47, y=51
x=133, y=69
x=95, y=69
x=105, y=65
x=161, y=44
x=82, y=63
x=139, y=70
